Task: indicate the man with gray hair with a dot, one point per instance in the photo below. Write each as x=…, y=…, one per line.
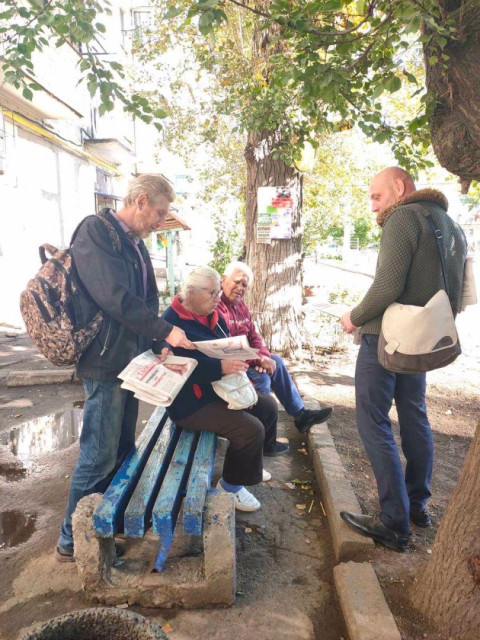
x=116, y=272
x=269, y=371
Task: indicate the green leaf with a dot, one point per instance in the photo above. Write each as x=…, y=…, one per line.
x=92, y=87
x=393, y=83
x=432, y=60
x=205, y=22
x=172, y=12
x=361, y=6
x=27, y=93
x=410, y=77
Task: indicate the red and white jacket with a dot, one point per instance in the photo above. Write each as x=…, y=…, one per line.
x=239, y=322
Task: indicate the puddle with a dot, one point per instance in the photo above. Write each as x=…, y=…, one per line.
x=15, y=527
x=10, y=474
x=43, y=435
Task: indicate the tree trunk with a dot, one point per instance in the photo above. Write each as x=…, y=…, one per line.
x=448, y=591
x=453, y=83
x=275, y=297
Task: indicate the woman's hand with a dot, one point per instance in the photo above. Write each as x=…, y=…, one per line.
x=233, y=366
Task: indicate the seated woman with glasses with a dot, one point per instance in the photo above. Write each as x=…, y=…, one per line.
x=251, y=432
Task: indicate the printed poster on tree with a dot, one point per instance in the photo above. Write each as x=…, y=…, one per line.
x=275, y=209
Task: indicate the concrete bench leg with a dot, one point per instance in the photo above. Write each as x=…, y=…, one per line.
x=219, y=548
x=94, y=556
x=187, y=581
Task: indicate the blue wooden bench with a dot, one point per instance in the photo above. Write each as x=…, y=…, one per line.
x=166, y=466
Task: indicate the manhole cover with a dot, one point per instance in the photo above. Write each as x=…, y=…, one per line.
x=102, y=623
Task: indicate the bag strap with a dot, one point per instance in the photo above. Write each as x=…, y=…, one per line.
x=112, y=232
x=439, y=238
x=43, y=249
x=439, y=241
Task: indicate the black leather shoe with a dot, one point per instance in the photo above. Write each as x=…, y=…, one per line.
x=373, y=527
x=280, y=448
x=305, y=420
x=421, y=518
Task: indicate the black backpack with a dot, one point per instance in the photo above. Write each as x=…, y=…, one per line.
x=60, y=316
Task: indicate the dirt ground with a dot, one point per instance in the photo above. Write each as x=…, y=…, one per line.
x=284, y=554
x=453, y=412
x=285, y=562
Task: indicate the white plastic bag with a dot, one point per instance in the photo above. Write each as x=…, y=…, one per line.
x=237, y=390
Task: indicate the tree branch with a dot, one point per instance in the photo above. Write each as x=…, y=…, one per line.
x=316, y=32
x=35, y=17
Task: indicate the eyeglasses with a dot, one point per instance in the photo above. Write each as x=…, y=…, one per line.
x=214, y=293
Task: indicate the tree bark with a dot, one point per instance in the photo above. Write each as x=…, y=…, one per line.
x=448, y=591
x=276, y=294
x=454, y=85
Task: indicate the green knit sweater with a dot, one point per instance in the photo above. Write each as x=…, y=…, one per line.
x=408, y=267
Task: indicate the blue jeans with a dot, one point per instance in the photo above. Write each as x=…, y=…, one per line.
x=280, y=383
x=108, y=433
x=375, y=390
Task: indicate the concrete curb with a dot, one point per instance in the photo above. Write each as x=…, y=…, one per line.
x=46, y=376
x=337, y=494
x=365, y=610
x=336, y=489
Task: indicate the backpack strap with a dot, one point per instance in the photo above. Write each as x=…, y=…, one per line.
x=43, y=249
x=112, y=232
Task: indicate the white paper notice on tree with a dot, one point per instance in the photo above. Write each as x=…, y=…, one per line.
x=234, y=348
x=154, y=381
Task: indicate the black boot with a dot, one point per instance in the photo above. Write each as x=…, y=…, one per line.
x=421, y=518
x=306, y=418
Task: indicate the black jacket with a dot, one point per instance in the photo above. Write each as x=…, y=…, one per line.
x=113, y=278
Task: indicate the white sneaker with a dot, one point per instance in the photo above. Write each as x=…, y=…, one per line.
x=243, y=499
x=266, y=476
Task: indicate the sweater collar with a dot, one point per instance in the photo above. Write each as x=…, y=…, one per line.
x=429, y=195
x=226, y=301
x=185, y=314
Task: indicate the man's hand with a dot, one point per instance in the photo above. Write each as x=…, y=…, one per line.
x=233, y=366
x=164, y=353
x=267, y=365
x=347, y=323
x=177, y=338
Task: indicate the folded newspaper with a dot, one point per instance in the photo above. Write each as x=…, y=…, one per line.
x=234, y=348
x=153, y=381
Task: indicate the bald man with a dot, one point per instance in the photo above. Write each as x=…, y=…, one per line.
x=408, y=271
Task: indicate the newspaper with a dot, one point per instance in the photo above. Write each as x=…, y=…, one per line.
x=153, y=381
x=234, y=348
x=334, y=309
x=469, y=291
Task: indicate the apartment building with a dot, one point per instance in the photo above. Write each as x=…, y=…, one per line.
x=59, y=160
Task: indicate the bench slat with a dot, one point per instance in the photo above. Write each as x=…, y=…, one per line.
x=108, y=517
x=199, y=483
x=164, y=545
x=139, y=510
x=167, y=504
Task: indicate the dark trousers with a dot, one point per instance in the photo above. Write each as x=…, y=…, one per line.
x=250, y=432
x=375, y=390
